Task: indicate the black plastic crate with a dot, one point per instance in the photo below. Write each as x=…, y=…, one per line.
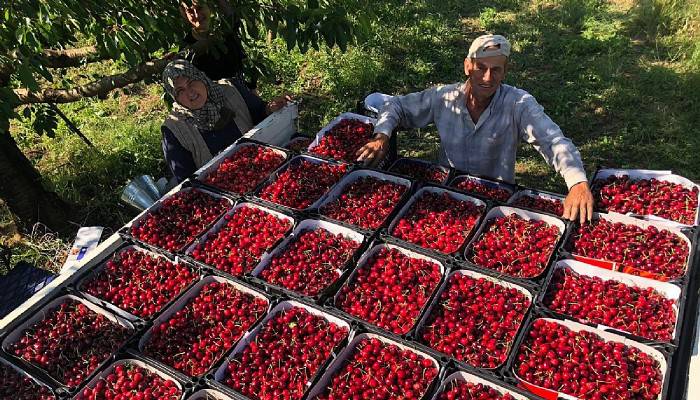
x=221, y=222
x=355, y=175
x=524, y=191
x=200, y=177
x=499, y=211
x=387, y=232
x=503, y=281
x=294, y=162
x=215, y=378
x=138, y=345
x=448, y=171
x=344, y=271
x=373, y=248
x=458, y=176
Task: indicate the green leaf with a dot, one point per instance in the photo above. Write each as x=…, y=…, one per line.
x=25, y=75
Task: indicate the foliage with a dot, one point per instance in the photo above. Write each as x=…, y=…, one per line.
x=627, y=99
x=35, y=34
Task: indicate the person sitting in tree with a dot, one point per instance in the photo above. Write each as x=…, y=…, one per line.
x=480, y=123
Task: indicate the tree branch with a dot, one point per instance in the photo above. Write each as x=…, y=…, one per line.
x=97, y=88
x=68, y=57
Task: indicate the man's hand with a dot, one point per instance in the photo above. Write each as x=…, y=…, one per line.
x=371, y=153
x=277, y=103
x=197, y=15
x=579, y=203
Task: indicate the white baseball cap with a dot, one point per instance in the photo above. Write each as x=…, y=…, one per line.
x=489, y=46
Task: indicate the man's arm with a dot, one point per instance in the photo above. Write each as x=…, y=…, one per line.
x=540, y=131
x=414, y=110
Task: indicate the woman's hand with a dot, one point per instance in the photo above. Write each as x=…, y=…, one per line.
x=277, y=103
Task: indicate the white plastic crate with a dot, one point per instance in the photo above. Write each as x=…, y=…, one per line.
x=503, y=211
x=550, y=394
x=21, y=372
x=366, y=257
x=666, y=176
x=627, y=220
x=203, y=173
x=17, y=333
x=335, y=121
x=668, y=290
x=136, y=222
x=221, y=222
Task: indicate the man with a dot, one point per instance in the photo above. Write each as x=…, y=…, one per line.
x=218, y=58
x=480, y=123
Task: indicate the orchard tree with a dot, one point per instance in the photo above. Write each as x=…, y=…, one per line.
x=39, y=39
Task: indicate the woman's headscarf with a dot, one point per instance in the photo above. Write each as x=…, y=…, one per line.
x=206, y=117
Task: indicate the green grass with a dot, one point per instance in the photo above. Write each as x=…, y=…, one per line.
x=622, y=79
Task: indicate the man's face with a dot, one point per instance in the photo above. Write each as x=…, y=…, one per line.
x=191, y=93
x=485, y=74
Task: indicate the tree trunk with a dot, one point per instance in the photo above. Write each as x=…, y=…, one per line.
x=22, y=191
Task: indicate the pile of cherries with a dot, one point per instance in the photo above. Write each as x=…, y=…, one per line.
x=70, y=342
x=641, y=311
x=548, y=205
x=390, y=290
x=515, y=246
x=488, y=190
x=366, y=202
x=420, y=170
x=583, y=365
x=476, y=320
x=311, y=262
x=195, y=337
x=302, y=183
x=647, y=197
x=138, y=282
x=245, y=169
x=653, y=252
x=237, y=247
x=21, y=387
x=438, y=221
x=127, y=381
x=181, y=218
x=462, y=390
x=284, y=355
x=380, y=370
x=344, y=139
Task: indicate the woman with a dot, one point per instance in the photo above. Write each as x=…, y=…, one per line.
x=207, y=116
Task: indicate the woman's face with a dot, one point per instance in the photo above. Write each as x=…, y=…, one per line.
x=190, y=93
